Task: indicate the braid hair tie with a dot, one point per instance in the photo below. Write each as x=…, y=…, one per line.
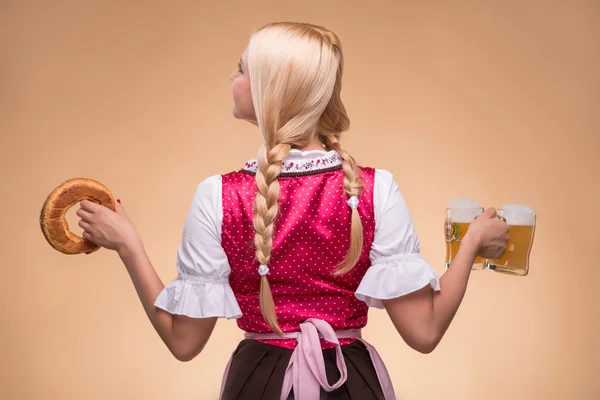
x=353, y=202
x=263, y=270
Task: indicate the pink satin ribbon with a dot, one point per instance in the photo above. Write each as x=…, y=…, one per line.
x=305, y=373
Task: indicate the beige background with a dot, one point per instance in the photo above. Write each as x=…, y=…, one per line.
x=497, y=101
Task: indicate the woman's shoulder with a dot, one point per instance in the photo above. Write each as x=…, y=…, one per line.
x=207, y=191
x=379, y=171
x=385, y=187
x=210, y=182
x=382, y=176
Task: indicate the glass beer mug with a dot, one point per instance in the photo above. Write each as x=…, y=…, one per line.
x=521, y=229
x=459, y=215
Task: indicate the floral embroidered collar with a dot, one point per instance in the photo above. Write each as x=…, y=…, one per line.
x=303, y=162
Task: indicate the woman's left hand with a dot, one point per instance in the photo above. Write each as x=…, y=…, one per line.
x=110, y=229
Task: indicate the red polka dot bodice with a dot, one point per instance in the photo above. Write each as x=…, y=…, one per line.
x=311, y=236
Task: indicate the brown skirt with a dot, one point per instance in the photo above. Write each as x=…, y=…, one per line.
x=257, y=371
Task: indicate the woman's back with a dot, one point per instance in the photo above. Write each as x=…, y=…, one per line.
x=311, y=236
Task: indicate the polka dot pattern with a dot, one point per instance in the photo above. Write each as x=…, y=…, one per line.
x=312, y=235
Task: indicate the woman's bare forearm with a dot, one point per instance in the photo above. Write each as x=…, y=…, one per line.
x=148, y=285
x=185, y=337
x=453, y=284
x=422, y=317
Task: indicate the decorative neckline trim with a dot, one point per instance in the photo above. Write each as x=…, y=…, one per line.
x=303, y=162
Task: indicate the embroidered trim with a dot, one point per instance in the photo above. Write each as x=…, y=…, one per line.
x=295, y=166
x=296, y=174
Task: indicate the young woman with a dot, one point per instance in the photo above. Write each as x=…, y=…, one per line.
x=298, y=243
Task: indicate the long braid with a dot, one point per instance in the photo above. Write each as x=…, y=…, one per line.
x=296, y=98
x=332, y=123
x=353, y=186
x=266, y=211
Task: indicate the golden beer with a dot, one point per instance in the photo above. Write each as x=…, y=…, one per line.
x=521, y=230
x=455, y=232
x=459, y=215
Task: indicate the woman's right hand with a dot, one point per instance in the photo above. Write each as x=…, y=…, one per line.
x=489, y=234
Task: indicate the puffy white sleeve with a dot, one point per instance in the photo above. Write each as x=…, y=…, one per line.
x=396, y=264
x=201, y=288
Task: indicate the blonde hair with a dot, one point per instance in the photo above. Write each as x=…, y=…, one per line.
x=295, y=72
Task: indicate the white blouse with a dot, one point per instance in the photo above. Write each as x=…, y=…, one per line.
x=202, y=289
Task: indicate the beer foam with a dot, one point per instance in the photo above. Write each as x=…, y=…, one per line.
x=518, y=214
x=463, y=210
x=463, y=203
